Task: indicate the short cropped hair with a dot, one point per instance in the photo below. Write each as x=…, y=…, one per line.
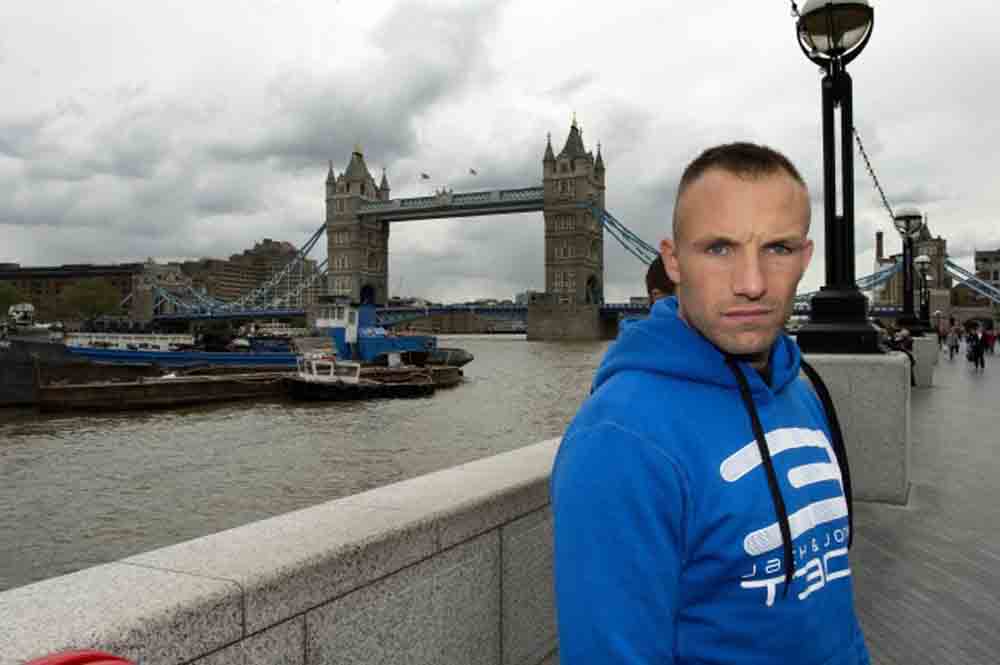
x=742, y=159
x=657, y=278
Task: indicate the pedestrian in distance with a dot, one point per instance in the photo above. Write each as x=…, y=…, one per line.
x=976, y=346
x=701, y=495
x=953, y=340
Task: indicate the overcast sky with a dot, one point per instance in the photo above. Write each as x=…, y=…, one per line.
x=190, y=129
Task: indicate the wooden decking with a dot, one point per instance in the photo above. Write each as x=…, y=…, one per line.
x=927, y=575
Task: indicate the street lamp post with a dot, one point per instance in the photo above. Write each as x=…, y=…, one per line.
x=909, y=222
x=922, y=262
x=832, y=33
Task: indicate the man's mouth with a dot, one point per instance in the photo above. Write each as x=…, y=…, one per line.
x=747, y=313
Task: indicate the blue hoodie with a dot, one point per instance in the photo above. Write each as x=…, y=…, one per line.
x=669, y=543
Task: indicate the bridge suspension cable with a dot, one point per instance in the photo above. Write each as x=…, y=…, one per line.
x=257, y=296
x=978, y=285
x=293, y=296
x=632, y=243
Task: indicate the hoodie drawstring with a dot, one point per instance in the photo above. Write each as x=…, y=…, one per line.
x=772, y=478
x=839, y=450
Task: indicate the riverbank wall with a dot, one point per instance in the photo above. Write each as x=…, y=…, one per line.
x=451, y=567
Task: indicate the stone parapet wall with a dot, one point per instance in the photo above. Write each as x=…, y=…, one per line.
x=872, y=396
x=450, y=567
x=925, y=355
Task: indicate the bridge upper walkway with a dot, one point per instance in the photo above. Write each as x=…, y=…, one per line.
x=449, y=204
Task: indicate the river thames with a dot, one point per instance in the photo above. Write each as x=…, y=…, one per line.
x=78, y=491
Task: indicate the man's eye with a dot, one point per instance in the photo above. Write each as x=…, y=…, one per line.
x=780, y=250
x=718, y=249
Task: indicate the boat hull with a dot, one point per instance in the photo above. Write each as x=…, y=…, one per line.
x=338, y=391
x=277, y=361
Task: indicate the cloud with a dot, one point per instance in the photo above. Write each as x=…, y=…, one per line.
x=125, y=147
x=571, y=86
x=208, y=173
x=378, y=102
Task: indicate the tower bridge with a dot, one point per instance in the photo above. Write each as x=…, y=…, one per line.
x=359, y=213
x=357, y=222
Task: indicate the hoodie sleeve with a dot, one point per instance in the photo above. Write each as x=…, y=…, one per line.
x=619, y=505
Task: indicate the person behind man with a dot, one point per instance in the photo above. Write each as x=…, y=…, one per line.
x=658, y=284
x=701, y=512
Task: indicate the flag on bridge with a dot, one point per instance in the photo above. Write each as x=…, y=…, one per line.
x=424, y=176
x=473, y=172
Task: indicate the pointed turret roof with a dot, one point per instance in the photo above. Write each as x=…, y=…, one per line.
x=925, y=233
x=549, y=155
x=331, y=176
x=599, y=164
x=357, y=168
x=385, y=181
x=574, y=142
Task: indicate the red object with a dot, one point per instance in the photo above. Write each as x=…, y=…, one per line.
x=80, y=657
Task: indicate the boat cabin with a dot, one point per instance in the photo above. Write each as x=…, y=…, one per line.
x=342, y=317
x=325, y=368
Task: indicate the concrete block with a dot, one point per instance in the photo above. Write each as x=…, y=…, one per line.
x=529, y=613
x=284, y=644
x=925, y=353
x=465, y=501
x=148, y=616
x=292, y=562
x=872, y=396
x=443, y=611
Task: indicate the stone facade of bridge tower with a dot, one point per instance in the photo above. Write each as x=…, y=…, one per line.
x=574, y=245
x=357, y=250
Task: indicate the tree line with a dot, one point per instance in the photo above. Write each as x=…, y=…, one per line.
x=82, y=300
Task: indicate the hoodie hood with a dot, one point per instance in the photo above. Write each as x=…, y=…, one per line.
x=665, y=344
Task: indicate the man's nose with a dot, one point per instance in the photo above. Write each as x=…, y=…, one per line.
x=748, y=280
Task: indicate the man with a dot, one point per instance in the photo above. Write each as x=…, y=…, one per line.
x=658, y=285
x=700, y=509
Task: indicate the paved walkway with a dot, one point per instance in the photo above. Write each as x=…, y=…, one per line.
x=927, y=575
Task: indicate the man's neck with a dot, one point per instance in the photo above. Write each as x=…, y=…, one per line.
x=759, y=361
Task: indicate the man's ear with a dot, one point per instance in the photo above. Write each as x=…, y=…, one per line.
x=668, y=252
x=807, y=253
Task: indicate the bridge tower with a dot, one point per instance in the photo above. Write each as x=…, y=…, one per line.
x=574, y=237
x=357, y=250
x=570, y=308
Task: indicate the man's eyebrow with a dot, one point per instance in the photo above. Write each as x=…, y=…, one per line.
x=714, y=238
x=787, y=239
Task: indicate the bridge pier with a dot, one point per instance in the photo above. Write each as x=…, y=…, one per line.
x=555, y=321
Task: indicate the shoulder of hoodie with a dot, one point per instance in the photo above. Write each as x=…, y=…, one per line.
x=622, y=409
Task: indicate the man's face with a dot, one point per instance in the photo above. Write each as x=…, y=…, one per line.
x=738, y=253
